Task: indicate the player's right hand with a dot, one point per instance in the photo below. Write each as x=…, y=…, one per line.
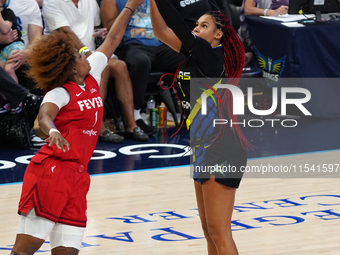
x=58, y=140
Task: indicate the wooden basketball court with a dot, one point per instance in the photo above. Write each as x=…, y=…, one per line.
x=154, y=211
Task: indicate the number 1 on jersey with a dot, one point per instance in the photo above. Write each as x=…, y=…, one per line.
x=95, y=122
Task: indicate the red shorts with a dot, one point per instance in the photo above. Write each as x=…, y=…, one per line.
x=56, y=191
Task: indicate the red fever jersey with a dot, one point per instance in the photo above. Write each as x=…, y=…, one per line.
x=56, y=182
x=78, y=122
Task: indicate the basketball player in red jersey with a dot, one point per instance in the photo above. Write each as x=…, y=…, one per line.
x=53, y=199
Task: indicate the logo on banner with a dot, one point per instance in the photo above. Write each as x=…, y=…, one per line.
x=239, y=103
x=210, y=93
x=271, y=68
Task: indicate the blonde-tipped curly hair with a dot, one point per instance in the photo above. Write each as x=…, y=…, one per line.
x=51, y=59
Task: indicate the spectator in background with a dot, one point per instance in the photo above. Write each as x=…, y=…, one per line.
x=8, y=22
x=29, y=22
x=276, y=4
x=14, y=93
x=260, y=8
x=78, y=19
x=141, y=51
x=28, y=17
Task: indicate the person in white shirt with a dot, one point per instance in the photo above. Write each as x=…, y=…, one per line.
x=31, y=27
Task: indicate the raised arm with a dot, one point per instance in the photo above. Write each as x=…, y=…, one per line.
x=118, y=28
x=161, y=30
x=175, y=22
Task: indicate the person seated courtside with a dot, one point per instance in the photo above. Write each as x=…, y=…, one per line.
x=141, y=51
x=258, y=8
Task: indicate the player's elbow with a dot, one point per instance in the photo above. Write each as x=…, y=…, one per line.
x=159, y=33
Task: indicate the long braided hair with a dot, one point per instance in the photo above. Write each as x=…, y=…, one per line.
x=233, y=57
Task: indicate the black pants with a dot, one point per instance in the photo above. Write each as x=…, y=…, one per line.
x=141, y=60
x=14, y=92
x=29, y=84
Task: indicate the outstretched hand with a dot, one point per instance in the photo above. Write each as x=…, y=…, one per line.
x=58, y=140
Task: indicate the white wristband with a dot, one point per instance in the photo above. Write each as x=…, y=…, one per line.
x=53, y=130
x=265, y=12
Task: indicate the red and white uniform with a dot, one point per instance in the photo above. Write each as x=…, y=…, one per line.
x=56, y=182
x=78, y=122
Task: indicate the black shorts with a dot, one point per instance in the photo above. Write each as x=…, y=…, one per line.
x=225, y=159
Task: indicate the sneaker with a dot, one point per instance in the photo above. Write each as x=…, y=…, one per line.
x=4, y=107
x=109, y=137
x=36, y=141
x=147, y=129
x=138, y=134
x=16, y=109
